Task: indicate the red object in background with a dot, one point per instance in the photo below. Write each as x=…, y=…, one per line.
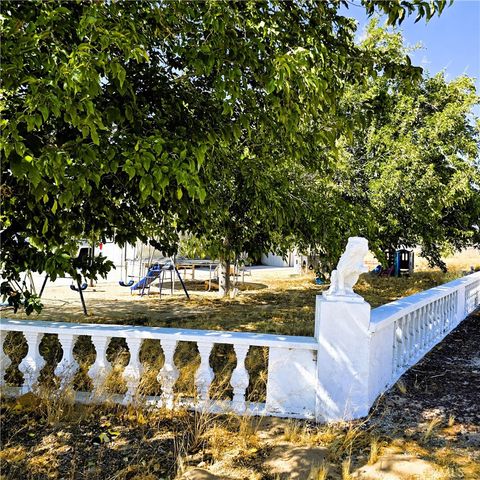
x=100, y=246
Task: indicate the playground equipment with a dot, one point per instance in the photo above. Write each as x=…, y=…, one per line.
x=85, y=254
x=145, y=282
x=129, y=279
x=158, y=271
x=148, y=271
x=124, y=264
x=192, y=264
x=79, y=287
x=404, y=262
x=237, y=270
x=400, y=262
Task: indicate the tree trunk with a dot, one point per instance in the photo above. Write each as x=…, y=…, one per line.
x=92, y=284
x=224, y=277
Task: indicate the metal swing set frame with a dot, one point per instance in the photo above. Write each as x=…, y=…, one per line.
x=153, y=271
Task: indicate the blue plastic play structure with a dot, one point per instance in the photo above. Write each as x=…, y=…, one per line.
x=152, y=274
x=159, y=270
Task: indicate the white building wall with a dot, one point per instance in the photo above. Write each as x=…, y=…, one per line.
x=272, y=260
x=116, y=254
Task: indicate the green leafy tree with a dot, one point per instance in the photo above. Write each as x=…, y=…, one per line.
x=80, y=155
x=413, y=165
x=112, y=110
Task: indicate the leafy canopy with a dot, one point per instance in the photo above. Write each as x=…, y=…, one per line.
x=122, y=118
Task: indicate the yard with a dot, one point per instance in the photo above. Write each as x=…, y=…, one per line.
x=271, y=301
x=210, y=130
x=434, y=428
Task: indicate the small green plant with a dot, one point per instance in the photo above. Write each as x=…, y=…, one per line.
x=402, y=388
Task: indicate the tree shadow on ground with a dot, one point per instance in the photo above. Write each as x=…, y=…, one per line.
x=432, y=413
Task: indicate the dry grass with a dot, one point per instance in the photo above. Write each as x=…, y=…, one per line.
x=49, y=426
x=374, y=450
x=431, y=428
x=346, y=465
x=320, y=472
x=460, y=261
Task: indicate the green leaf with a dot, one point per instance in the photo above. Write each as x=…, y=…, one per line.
x=44, y=110
x=45, y=227
x=270, y=86
x=121, y=74
x=129, y=168
x=145, y=186
x=148, y=159
x=34, y=175
x=94, y=135
x=129, y=113
x=101, y=438
x=200, y=154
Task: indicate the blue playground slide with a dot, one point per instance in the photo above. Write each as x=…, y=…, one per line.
x=152, y=274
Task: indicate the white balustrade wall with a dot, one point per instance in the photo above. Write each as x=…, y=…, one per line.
x=355, y=355
x=282, y=394
x=405, y=330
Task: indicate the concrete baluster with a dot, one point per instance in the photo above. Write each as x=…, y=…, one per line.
x=398, y=346
x=169, y=373
x=204, y=375
x=240, y=378
x=68, y=366
x=418, y=319
x=33, y=363
x=101, y=368
x=133, y=371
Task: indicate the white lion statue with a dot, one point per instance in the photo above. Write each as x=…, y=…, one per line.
x=349, y=268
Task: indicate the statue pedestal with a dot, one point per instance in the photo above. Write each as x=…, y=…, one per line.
x=341, y=330
x=351, y=298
